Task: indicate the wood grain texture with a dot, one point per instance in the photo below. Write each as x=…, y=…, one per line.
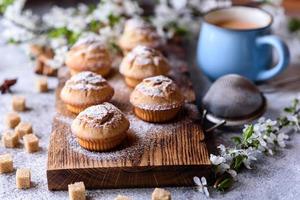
x=153, y=155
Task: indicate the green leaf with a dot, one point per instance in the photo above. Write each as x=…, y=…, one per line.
x=288, y=110
x=102, y=2
x=91, y=8
x=255, y=143
x=12, y=41
x=237, y=162
x=114, y=47
x=58, y=32
x=72, y=38
x=237, y=140
x=113, y=19
x=248, y=133
x=269, y=129
x=294, y=25
x=95, y=26
x=224, y=184
x=4, y=4
x=283, y=121
x=292, y=109
x=179, y=30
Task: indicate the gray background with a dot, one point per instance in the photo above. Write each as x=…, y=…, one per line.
x=276, y=177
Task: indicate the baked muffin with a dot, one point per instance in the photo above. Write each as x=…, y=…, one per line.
x=85, y=89
x=100, y=128
x=156, y=99
x=138, y=32
x=89, y=54
x=143, y=62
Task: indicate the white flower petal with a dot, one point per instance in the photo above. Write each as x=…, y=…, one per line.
x=232, y=172
x=206, y=191
x=247, y=164
x=197, y=181
x=203, y=180
x=216, y=160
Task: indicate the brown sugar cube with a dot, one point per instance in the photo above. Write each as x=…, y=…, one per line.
x=42, y=85
x=23, y=128
x=121, y=197
x=36, y=50
x=12, y=120
x=77, y=191
x=23, y=178
x=6, y=163
x=48, y=52
x=39, y=67
x=10, y=139
x=49, y=71
x=31, y=143
x=161, y=194
x=18, y=103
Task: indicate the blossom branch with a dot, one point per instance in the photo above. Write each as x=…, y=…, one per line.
x=262, y=137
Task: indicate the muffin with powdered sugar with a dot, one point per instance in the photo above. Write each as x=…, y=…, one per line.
x=156, y=99
x=143, y=62
x=85, y=89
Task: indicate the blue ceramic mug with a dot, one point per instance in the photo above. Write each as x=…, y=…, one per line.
x=244, y=51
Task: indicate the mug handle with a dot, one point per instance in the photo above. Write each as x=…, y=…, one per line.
x=283, y=53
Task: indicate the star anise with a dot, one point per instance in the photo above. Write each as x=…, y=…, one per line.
x=7, y=83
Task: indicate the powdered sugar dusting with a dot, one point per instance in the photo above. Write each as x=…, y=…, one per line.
x=141, y=27
x=99, y=115
x=86, y=81
x=92, y=48
x=158, y=86
x=141, y=135
x=145, y=55
x=88, y=40
x=137, y=23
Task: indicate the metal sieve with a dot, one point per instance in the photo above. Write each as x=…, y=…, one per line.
x=234, y=99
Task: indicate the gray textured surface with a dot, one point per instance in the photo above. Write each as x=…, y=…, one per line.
x=275, y=177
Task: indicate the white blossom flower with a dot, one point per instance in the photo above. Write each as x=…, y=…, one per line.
x=110, y=34
x=77, y=24
x=83, y=9
x=222, y=149
x=58, y=42
x=223, y=167
x=16, y=14
x=207, y=5
x=59, y=57
x=179, y=4
x=166, y=19
x=232, y=173
x=117, y=8
x=217, y=160
x=224, y=152
x=250, y=156
x=294, y=119
x=131, y=8
x=64, y=17
x=201, y=185
x=281, y=137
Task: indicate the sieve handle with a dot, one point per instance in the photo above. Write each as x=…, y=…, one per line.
x=283, y=53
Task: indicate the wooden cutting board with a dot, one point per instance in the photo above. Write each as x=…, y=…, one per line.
x=153, y=155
